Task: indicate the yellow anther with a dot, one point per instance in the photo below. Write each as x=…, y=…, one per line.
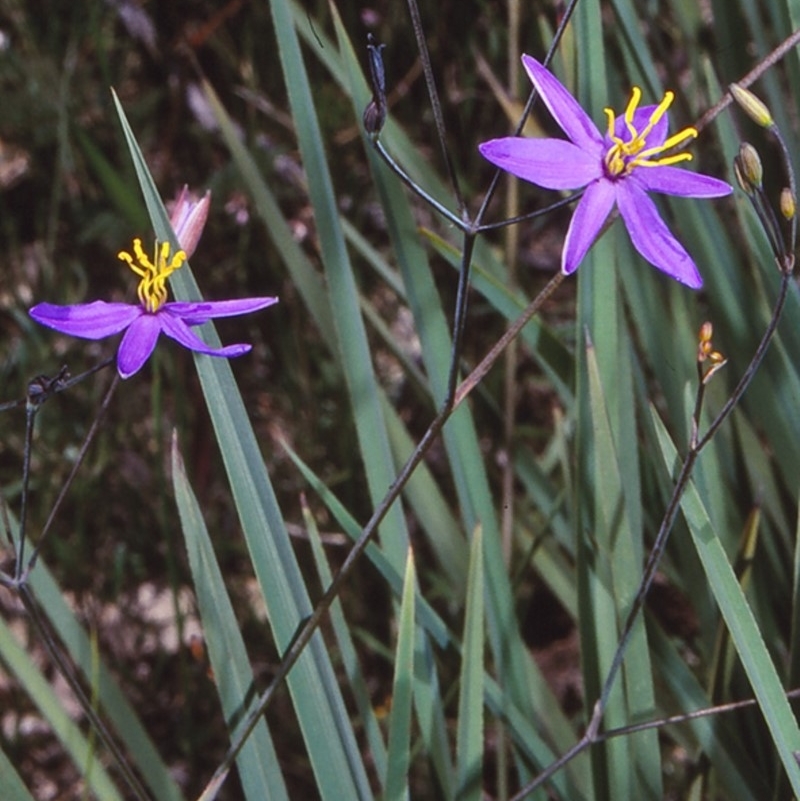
x=622, y=156
x=636, y=96
x=152, y=289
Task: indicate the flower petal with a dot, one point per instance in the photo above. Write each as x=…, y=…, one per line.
x=175, y=327
x=202, y=311
x=566, y=111
x=678, y=181
x=88, y=320
x=590, y=214
x=652, y=238
x=137, y=344
x=551, y=163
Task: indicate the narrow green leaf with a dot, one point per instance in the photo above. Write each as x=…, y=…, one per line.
x=617, y=561
x=469, y=738
x=259, y=769
x=20, y=664
x=351, y=339
x=740, y=621
x=115, y=707
x=12, y=787
x=399, y=753
x=347, y=650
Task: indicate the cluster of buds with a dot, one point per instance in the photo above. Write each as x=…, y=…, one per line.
x=707, y=354
x=750, y=173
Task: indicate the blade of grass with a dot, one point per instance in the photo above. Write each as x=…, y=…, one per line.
x=469, y=739
x=399, y=752
x=619, y=773
x=356, y=360
x=116, y=708
x=740, y=621
x=12, y=787
x=259, y=768
x=44, y=697
x=347, y=650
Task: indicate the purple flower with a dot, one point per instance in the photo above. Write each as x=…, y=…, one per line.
x=144, y=321
x=617, y=168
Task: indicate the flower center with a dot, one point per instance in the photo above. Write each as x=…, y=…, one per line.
x=152, y=289
x=623, y=156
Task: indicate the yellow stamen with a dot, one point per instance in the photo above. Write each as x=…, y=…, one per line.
x=636, y=96
x=622, y=157
x=152, y=289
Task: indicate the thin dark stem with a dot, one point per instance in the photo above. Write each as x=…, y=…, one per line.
x=95, y=427
x=50, y=642
x=623, y=731
x=416, y=188
x=459, y=319
x=30, y=418
x=531, y=215
x=436, y=106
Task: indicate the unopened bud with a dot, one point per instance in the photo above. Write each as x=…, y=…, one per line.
x=747, y=168
x=188, y=219
x=706, y=353
x=374, y=117
x=752, y=106
x=788, y=203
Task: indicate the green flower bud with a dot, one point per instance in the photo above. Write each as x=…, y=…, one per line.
x=752, y=106
x=788, y=203
x=748, y=169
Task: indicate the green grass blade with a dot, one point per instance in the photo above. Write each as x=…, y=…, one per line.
x=399, y=752
x=600, y=314
x=307, y=280
x=740, y=621
x=258, y=766
x=356, y=360
x=618, y=564
x=115, y=707
x=321, y=712
x=469, y=739
x=730, y=758
x=12, y=787
x=44, y=697
x=347, y=650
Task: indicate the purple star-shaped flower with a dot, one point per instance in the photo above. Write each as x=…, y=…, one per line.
x=617, y=168
x=143, y=322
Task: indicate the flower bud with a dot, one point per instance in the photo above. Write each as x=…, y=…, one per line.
x=188, y=219
x=374, y=117
x=752, y=106
x=788, y=203
x=748, y=169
